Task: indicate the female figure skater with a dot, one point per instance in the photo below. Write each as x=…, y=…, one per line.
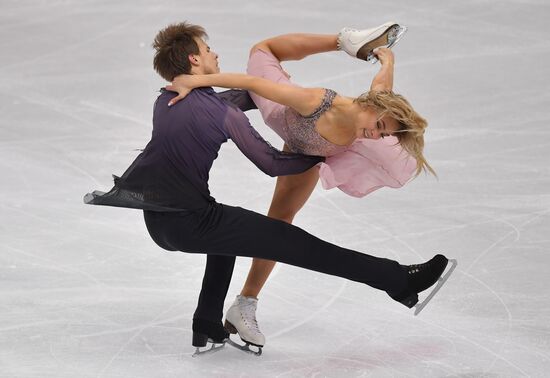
x=318, y=121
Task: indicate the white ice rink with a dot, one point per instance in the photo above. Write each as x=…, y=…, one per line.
x=86, y=293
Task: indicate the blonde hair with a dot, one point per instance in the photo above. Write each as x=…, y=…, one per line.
x=411, y=124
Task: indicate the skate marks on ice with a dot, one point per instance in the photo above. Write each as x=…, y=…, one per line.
x=313, y=315
x=139, y=331
x=440, y=282
x=494, y=354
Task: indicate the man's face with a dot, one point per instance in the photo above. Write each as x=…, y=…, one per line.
x=207, y=59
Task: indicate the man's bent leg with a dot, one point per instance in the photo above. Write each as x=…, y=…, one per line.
x=207, y=320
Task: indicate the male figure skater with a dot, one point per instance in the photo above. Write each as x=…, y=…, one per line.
x=169, y=181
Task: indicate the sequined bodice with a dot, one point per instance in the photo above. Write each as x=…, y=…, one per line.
x=301, y=134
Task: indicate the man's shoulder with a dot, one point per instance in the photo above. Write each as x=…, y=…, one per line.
x=200, y=98
x=192, y=101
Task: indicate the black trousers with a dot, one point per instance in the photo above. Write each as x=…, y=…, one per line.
x=224, y=232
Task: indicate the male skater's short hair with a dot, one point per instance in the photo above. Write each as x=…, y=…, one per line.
x=173, y=46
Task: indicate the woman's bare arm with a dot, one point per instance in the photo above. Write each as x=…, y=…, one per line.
x=303, y=100
x=384, y=78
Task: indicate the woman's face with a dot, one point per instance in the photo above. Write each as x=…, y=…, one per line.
x=374, y=127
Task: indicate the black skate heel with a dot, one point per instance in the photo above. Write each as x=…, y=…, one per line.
x=199, y=339
x=407, y=298
x=213, y=330
x=204, y=332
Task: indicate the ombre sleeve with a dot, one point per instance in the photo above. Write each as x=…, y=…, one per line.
x=268, y=159
x=238, y=97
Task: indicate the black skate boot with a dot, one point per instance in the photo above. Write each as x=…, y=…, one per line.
x=206, y=331
x=422, y=276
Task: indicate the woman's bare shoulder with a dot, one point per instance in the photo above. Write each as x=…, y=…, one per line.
x=313, y=97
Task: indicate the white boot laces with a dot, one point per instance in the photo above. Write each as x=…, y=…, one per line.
x=248, y=312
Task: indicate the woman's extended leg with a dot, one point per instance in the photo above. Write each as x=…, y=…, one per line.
x=297, y=46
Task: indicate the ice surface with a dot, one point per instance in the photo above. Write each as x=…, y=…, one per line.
x=86, y=293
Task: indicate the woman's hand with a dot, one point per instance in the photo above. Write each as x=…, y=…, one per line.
x=183, y=84
x=384, y=55
x=383, y=81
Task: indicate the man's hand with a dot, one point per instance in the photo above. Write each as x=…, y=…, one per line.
x=182, y=84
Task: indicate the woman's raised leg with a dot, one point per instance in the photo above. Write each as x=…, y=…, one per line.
x=357, y=43
x=297, y=46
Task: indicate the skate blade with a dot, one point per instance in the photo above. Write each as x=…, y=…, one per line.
x=213, y=349
x=394, y=36
x=245, y=348
x=440, y=282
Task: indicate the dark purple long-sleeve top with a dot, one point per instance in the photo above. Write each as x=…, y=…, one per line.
x=172, y=171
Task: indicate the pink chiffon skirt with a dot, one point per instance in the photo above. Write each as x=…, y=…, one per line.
x=363, y=167
x=368, y=165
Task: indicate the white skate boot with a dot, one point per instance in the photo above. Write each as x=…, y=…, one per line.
x=361, y=43
x=241, y=319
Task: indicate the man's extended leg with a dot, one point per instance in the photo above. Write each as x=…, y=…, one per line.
x=233, y=231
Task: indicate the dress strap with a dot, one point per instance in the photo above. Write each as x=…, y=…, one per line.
x=326, y=103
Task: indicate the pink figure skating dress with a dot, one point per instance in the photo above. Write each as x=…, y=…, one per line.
x=357, y=169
